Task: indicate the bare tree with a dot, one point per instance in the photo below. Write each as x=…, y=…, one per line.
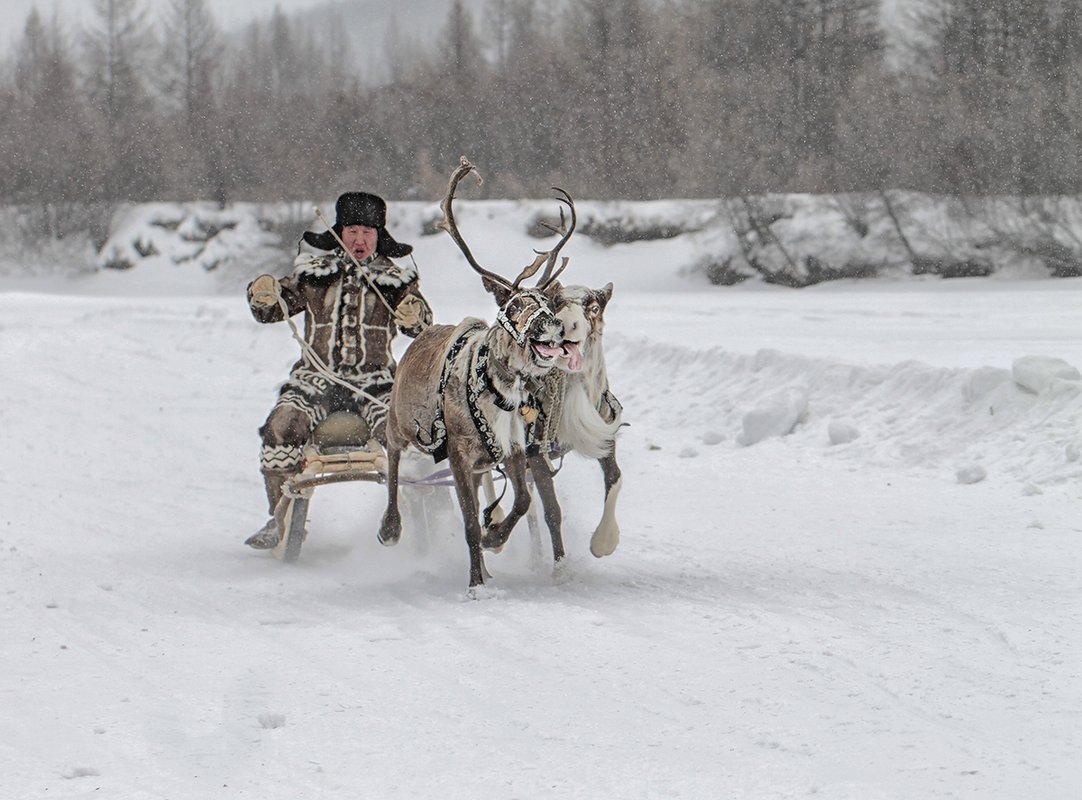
x=617, y=115
x=189, y=69
x=1009, y=66
x=116, y=44
x=55, y=158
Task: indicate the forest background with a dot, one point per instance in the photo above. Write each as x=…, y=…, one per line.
x=610, y=99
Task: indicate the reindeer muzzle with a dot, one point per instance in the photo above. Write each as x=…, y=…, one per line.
x=524, y=314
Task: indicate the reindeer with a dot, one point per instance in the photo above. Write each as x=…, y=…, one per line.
x=460, y=391
x=579, y=413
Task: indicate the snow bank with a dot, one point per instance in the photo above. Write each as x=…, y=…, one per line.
x=964, y=423
x=792, y=240
x=196, y=238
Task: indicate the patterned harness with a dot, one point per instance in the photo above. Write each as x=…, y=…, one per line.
x=517, y=317
x=478, y=381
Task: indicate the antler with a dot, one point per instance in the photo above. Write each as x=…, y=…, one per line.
x=549, y=256
x=492, y=282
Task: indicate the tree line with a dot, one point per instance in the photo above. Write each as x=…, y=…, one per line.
x=610, y=99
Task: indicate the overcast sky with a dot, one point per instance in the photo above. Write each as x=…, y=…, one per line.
x=228, y=13
x=232, y=14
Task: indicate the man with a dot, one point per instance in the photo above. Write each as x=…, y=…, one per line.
x=354, y=299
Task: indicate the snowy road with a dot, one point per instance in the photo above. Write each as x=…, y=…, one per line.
x=783, y=619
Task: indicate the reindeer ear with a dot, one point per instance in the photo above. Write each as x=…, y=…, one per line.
x=554, y=290
x=605, y=294
x=498, y=290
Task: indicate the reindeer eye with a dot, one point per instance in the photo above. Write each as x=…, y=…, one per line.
x=594, y=310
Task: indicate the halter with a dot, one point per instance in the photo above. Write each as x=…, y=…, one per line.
x=519, y=328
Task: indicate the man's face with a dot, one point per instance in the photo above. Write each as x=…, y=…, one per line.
x=360, y=240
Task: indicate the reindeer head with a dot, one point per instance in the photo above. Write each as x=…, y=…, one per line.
x=582, y=305
x=582, y=311
x=526, y=314
x=538, y=335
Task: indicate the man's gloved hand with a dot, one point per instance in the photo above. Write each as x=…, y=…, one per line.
x=409, y=312
x=265, y=290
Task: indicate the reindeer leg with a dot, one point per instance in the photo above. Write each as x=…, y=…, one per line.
x=490, y=495
x=546, y=490
x=390, y=528
x=466, y=491
x=498, y=534
x=607, y=534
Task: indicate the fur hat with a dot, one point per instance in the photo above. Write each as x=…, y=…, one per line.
x=360, y=208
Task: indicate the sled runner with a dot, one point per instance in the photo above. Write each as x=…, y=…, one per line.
x=341, y=450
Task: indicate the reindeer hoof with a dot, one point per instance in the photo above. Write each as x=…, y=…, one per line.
x=483, y=592
x=389, y=532
x=495, y=538
x=603, y=543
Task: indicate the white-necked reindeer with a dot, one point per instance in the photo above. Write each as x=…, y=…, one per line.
x=579, y=413
x=459, y=390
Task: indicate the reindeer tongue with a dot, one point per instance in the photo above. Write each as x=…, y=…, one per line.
x=573, y=354
x=547, y=351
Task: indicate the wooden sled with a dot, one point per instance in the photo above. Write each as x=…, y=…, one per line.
x=341, y=450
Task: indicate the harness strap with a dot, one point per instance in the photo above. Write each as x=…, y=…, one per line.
x=485, y=376
x=441, y=477
x=478, y=382
x=436, y=446
x=475, y=386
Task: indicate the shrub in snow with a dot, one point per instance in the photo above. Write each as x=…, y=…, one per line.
x=616, y=222
x=159, y=236
x=723, y=271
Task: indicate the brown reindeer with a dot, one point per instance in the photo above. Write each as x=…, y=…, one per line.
x=460, y=390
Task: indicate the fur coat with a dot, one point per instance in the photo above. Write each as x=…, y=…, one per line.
x=345, y=322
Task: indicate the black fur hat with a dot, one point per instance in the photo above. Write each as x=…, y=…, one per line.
x=360, y=208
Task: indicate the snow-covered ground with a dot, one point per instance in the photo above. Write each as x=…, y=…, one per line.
x=849, y=565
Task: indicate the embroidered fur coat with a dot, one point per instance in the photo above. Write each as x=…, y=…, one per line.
x=345, y=322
